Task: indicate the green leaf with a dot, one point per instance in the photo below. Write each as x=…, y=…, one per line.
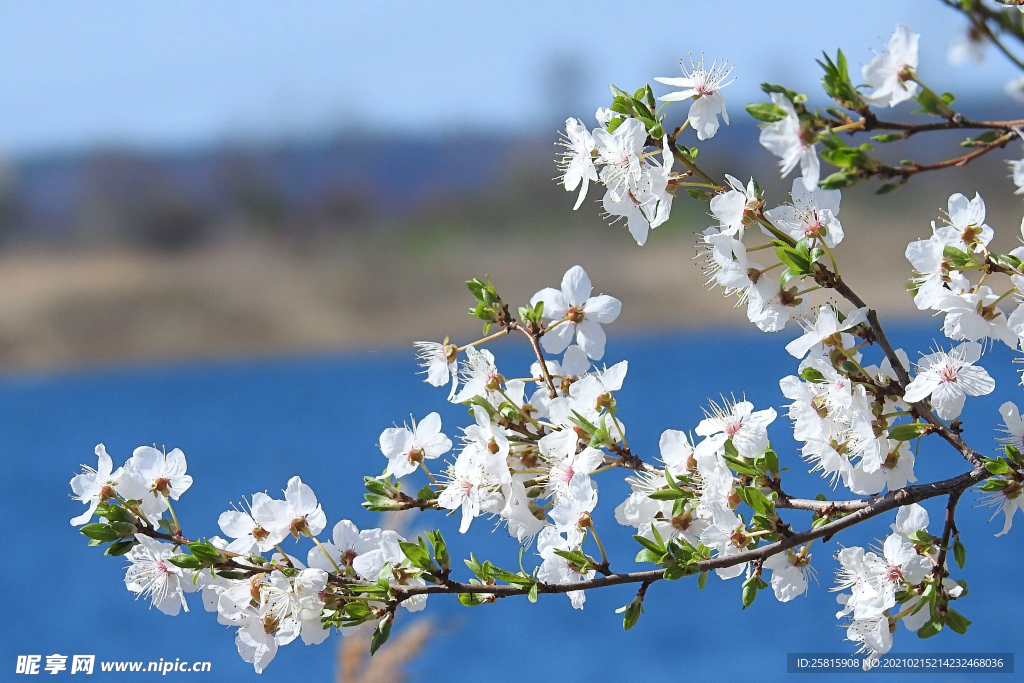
x=766, y=111
x=669, y=494
x=956, y=621
x=922, y=537
x=929, y=629
x=632, y=613
x=702, y=580
x=206, y=553
x=532, y=595
x=120, y=547
x=997, y=466
x=646, y=555
x=906, y=432
x=444, y=561
x=234, y=576
x=115, y=513
x=758, y=501
x=185, y=561
x=749, y=591
x=358, y=610
x=100, y=532
x=471, y=599
x=889, y=137
x=377, y=503
x=837, y=180
x=959, y=553
x=381, y=633
x=813, y=375
x=415, y=553
x=649, y=545
x=674, y=572
x=837, y=83
x=794, y=259
x=994, y=484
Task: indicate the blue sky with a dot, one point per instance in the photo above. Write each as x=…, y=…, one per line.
x=147, y=73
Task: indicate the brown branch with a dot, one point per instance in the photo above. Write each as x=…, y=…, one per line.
x=957, y=122
x=829, y=279
x=889, y=501
x=534, y=338
x=913, y=168
x=948, y=530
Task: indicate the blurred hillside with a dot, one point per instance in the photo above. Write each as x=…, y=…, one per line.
x=365, y=242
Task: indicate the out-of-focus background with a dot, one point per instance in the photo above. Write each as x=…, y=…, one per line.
x=190, y=180
x=223, y=224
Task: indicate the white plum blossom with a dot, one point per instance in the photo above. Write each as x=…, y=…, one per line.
x=770, y=307
x=576, y=314
x=1014, y=425
x=556, y=569
x=967, y=230
x=574, y=364
x=299, y=514
x=406, y=448
x=346, y=544
x=161, y=475
x=151, y=575
x=892, y=73
x=471, y=487
x=572, y=514
x=95, y=486
x=370, y=566
x=873, y=635
x=619, y=155
x=974, y=316
x=790, y=573
x=787, y=140
x=577, y=163
x=812, y=216
x=948, y=378
x=826, y=324
x=736, y=421
x=702, y=84
x=560, y=450
x=604, y=116
x=480, y=378
x=246, y=531
x=647, y=203
x=440, y=362
x=726, y=542
x=1008, y=501
x=732, y=208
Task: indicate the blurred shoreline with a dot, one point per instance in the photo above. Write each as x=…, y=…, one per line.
x=86, y=309
x=122, y=257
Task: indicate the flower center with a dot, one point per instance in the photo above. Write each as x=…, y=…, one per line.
x=575, y=315
x=948, y=374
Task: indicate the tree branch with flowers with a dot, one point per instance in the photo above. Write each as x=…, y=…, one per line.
x=713, y=500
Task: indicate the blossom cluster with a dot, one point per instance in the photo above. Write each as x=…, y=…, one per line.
x=537, y=441
x=270, y=602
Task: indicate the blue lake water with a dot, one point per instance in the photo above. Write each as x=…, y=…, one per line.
x=249, y=425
